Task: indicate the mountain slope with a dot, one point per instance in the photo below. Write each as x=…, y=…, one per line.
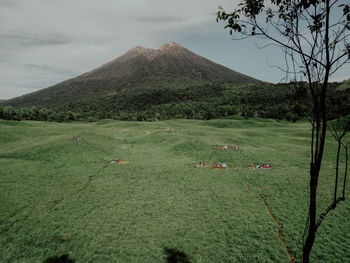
x=139, y=68
x=345, y=85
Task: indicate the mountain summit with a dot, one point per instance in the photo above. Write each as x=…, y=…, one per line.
x=136, y=69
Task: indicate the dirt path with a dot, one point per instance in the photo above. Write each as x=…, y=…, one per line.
x=291, y=256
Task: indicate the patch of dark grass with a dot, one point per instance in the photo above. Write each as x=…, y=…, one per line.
x=232, y=123
x=175, y=256
x=59, y=259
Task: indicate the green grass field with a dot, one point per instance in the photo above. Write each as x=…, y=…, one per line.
x=61, y=197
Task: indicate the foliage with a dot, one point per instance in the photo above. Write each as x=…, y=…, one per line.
x=204, y=101
x=37, y=114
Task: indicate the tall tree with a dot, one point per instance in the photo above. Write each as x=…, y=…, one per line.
x=315, y=38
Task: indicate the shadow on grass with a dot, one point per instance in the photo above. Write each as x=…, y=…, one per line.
x=62, y=259
x=175, y=256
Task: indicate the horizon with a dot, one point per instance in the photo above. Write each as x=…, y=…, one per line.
x=36, y=55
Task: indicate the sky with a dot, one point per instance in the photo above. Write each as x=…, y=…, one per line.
x=43, y=42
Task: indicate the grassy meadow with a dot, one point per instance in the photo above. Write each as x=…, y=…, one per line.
x=62, y=198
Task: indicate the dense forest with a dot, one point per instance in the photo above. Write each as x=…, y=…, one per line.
x=199, y=101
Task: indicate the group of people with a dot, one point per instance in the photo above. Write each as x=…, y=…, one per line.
x=214, y=165
x=225, y=147
x=219, y=165
x=224, y=165
x=259, y=166
x=119, y=160
x=201, y=164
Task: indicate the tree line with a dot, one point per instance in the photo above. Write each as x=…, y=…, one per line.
x=36, y=114
x=202, y=102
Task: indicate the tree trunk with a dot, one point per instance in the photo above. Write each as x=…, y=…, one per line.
x=336, y=173
x=312, y=215
x=346, y=170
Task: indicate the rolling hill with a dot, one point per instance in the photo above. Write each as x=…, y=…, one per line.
x=345, y=85
x=137, y=69
x=60, y=196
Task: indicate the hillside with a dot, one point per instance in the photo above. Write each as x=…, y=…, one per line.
x=59, y=196
x=194, y=101
x=345, y=85
x=138, y=69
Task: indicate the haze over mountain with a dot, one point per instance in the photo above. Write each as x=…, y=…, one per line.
x=139, y=68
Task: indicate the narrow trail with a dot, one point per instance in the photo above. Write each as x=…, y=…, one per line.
x=90, y=179
x=291, y=256
x=84, y=187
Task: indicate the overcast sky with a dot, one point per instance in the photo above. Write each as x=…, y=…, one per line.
x=44, y=42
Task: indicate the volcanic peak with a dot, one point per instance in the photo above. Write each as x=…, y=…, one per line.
x=151, y=53
x=169, y=46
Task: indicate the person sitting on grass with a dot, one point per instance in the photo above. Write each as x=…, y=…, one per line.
x=217, y=164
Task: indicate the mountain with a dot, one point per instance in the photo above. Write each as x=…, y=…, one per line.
x=138, y=69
